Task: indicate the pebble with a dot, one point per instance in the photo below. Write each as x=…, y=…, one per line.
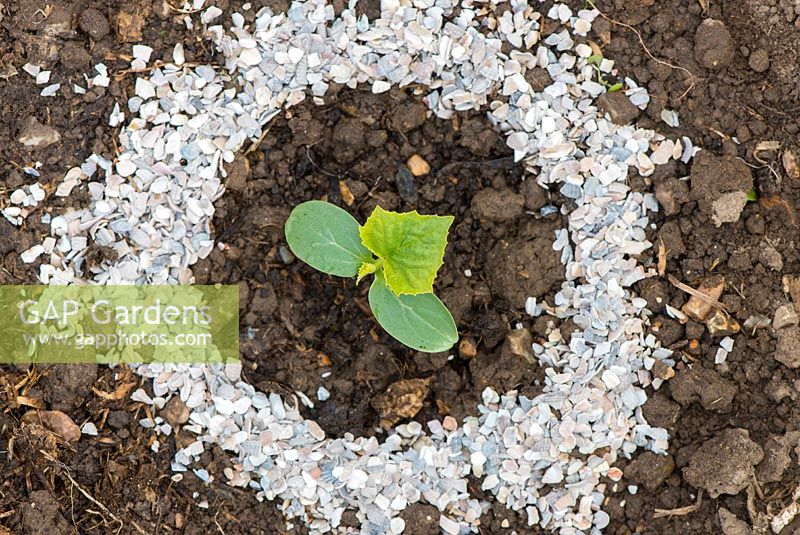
x=418, y=166
x=55, y=421
x=619, y=107
x=406, y=186
x=32, y=133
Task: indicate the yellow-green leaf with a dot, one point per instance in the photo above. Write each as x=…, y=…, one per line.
x=411, y=246
x=366, y=269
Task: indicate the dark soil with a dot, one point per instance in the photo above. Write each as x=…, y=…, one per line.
x=302, y=330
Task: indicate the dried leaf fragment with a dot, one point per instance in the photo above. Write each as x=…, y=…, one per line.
x=721, y=324
x=131, y=23
x=789, y=161
x=121, y=392
x=402, y=399
x=765, y=146
x=347, y=195
x=791, y=286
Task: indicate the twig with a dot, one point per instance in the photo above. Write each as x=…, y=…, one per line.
x=65, y=472
x=662, y=257
x=680, y=511
x=154, y=66
x=647, y=50
x=696, y=293
x=257, y=142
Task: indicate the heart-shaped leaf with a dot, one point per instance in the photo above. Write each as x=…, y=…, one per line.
x=411, y=246
x=326, y=237
x=421, y=322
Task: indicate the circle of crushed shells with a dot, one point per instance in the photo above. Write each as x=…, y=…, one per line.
x=544, y=456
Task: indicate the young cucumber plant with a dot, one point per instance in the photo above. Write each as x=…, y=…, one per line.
x=403, y=252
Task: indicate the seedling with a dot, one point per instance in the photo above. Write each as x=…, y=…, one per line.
x=403, y=251
x=595, y=60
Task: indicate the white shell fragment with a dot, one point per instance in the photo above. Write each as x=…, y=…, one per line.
x=670, y=117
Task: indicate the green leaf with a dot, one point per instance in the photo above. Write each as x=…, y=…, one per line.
x=421, y=322
x=326, y=237
x=411, y=246
x=594, y=59
x=615, y=87
x=752, y=195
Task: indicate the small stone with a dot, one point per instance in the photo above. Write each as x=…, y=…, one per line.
x=771, y=258
x=713, y=45
x=467, y=348
x=723, y=464
x=789, y=161
x=618, y=107
x=406, y=186
x=449, y=526
x=731, y=525
x=785, y=316
x=449, y=423
x=35, y=134
x=55, y=421
x=759, y=60
x=788, y=350
x=175, y=412
x=728, y=207
x=397, y=525
x=94, y=23
x=519, y=342
x=418, y=165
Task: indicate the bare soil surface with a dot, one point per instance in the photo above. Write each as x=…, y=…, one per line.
x=734, y=426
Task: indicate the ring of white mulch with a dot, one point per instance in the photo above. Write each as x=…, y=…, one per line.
x=544, y=456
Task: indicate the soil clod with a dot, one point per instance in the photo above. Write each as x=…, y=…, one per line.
x=724, y=464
